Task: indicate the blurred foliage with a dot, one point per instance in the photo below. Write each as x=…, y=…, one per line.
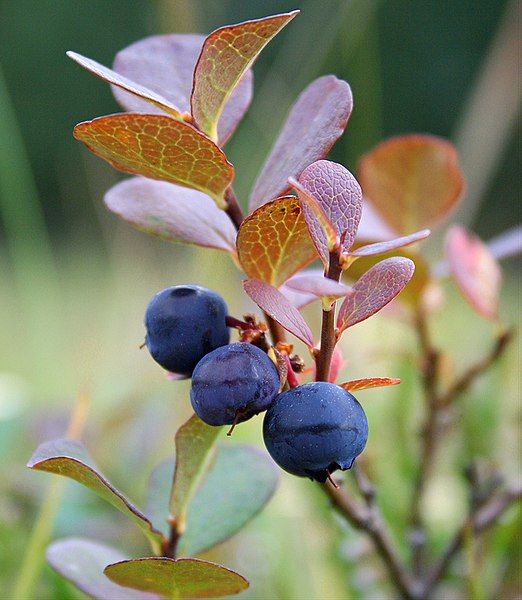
x=75, y=281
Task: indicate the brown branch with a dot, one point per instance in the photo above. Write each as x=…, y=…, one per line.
x=368, y=520
x=233, y=209
x=170, y=546
x=484, y=517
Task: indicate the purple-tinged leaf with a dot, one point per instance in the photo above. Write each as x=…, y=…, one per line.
x=273, y=242
x=382, y=247
x=182, y=578
x=194, y=444
x=318, y=285
x=313, y=125
x=279, y=308
x=474, y=270
x=82, y=562
x=226, y=55
x=297, y=299
x=122, y=82
x=412, y=181
x=374, y=290
x=372, y=226
x=159, y=147
x=172, y=212
x=165, y=64
x=336, y=190
x=369, y=382
x=320, y=228
x=70, y=459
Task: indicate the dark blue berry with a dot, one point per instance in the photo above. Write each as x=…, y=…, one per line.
x=184, y=323
x=315, y=429
x=232, y=384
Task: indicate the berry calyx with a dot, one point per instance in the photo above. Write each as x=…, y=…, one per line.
x=232, y=384
x=314, y=429
x=184, y=323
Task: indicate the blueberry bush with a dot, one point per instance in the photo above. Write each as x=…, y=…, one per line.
x=183, y=97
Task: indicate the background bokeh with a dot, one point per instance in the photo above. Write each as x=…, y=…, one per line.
x=75, y=280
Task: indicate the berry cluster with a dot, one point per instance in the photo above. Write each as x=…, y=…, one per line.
x=310, y=430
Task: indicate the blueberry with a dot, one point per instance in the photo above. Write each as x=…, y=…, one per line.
x=315, y=429
x=185, y=322
x=232, y=384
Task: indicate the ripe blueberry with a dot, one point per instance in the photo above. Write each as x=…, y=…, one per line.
x=185, y=322
x=232, y=384
x=315, y=429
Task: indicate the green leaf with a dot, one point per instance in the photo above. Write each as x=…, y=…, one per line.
x=161, y=148
x=194, y=441
x=82, y=562
x=182, y=578
x=70, y=459
x=239, y=484
x=226, y=55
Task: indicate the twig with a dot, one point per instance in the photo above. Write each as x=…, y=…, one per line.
x=480, y=520
x=233, y=209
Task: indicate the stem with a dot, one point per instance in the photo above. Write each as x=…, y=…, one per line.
x=324, y=355
x=484, y=517
x=233, y=209
x=170, y=545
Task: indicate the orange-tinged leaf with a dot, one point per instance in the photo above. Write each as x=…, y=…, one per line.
x=474, y=270
x=313, y=125
x=279, y=308
x=182, y=578
x=122, y=82
x=159, y=147
x=413, y=181
x=171, y=212
x=374, y=290
x=369, y=382
x=226, y=54
x=165, y=64
x=273, y=242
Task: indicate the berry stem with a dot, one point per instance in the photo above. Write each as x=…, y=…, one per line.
x=233, y=209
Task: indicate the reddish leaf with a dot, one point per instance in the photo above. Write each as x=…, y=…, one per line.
x=338, y=193
x=182, y=578
x=279, y=308
x=413, y=181
x=318, y=286
x=160, y=148
x=374, y=290
x=273, y=242
x=165, y=64
x=172, y=213
x=122, y=82
x=226, y=54
x=366, y=383
x=314, y=123
x=474, y=270
x=382, y=247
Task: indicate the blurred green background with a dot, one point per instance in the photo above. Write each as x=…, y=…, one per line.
x=75, y=281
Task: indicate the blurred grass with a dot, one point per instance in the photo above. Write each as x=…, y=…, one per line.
x=75, y=282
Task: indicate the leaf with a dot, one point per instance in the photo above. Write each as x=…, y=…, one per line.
x=395, y=244
x=474, y=270
x=171, y=212
x=413, y=181
x=165, y=64
x=297, y=299
x=273, y=242
x=122, y=82
x=412, y=294
x=182, y=578
x=369, y=382
x=194, y=441
x=226, y=54
x=70, y=459
x=318, y=286
x=374, y=290
x=313, y=125
x=336, y=190
x=159, y=147
x=239, y=484
x=82, y=561
x=279, y=308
